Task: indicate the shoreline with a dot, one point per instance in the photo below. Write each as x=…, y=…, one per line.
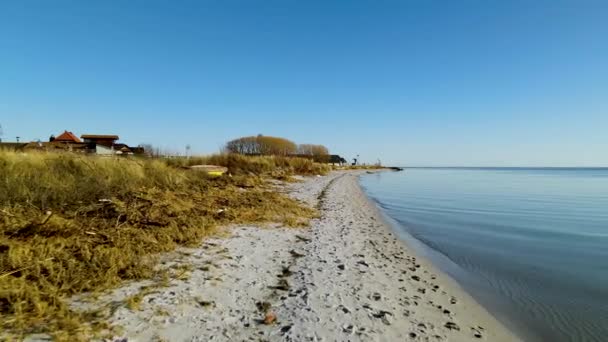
x=457, y=276
x=346, y=277
x=434, y=261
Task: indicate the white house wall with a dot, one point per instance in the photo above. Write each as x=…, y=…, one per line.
x=103, y=150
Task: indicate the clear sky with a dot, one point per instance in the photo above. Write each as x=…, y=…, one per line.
x=420, y=82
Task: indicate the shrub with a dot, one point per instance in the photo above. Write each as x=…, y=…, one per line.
x=238, y=164
x=262, y=145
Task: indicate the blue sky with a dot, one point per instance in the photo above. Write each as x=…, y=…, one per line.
x=504, y=83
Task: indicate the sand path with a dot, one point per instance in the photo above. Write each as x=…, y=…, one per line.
x=346, y=278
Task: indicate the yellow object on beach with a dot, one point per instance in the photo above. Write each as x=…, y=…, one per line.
x=215, y=173
x=212, y=170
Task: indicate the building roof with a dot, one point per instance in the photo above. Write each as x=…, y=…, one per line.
x=68, y=136
x=99, y=136
x=122, y=148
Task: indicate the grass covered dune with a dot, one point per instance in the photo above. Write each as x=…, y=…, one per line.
x=71, y=224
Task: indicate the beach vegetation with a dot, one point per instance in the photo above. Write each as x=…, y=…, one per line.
x=261, y=166
x=318, y=153
x=262, y=145
x=71, y=224
x=276, y=146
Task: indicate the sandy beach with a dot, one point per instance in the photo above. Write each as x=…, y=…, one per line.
x=347, y=277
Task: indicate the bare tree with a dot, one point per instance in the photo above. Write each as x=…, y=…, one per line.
x=263, y=145
x=319, y=153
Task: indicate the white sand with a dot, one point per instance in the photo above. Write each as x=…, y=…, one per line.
x=351, y=280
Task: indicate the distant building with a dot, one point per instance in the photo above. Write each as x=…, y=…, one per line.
x=336, y=160
x=100, y=143
x=66, y=137
x=100, y=139
x=127, y=150
x=66, y=141
x=107, y=145
x=69, y=142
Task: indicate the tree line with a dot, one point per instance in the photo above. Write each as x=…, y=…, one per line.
x=268, y=145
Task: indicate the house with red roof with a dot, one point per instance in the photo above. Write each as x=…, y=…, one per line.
x=67, y=137
x=101, y=144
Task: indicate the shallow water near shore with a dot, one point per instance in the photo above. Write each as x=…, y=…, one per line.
x=531, y=245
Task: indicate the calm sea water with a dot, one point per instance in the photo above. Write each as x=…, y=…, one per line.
x=529, y=244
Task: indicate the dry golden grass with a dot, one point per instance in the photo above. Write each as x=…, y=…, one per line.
x=71, y=224
x=272, y=166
